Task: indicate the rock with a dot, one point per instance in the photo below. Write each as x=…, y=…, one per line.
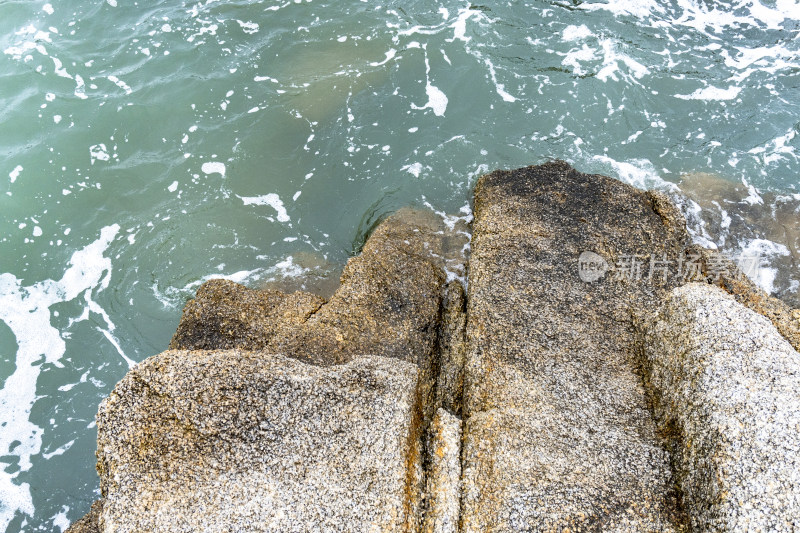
x=229, y=440
x=721, y=271
x=558, y=434
x=727, y=391
x=226, y=315
x=283, y=412
x=388, y=304
x=443, y=474
x=548, y=398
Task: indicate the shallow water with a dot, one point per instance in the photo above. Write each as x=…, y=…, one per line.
x=146, y=147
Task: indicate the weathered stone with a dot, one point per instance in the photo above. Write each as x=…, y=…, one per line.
x=388, y=304
x=226, y=315
x=221, y=434
x=558, y=433
x=727, y=390
x=726, y=274
x=284, y=412
x=250, y=441
x=443, y=474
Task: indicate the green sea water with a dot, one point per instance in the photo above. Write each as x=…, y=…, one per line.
x=148, y=146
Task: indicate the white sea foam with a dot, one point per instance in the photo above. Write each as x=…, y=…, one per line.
x=270, y=199
x=413, y=168
x=437, y=100
x=26, y=311
x=777, y=149
x=498, y=87
x=121, y=84
x=637, y=172
x=288, y=269
x=753, y=197
x=576, y=56
x=98, y=152
x=248, y=26
x=612, y=57
x=60, y=520
x=754, y=254
x=575, y=33
x=636, y=8
x=213, y=167
x=699, y=16
x=695, y=224
x=712, y=93
x=460, y=24
x=583, y=59
x=389, y=56
x=14, y=174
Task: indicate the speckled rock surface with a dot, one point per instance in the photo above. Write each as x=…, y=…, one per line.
x=231, y=440
x=443, y=495
x=727, y=389
x=727, y=275
x=558, y=433
x=225, y=315
x=388, y=304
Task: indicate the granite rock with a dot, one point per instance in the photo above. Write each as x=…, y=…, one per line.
x=727, y=391
x=284, y=412
x=388, y=304
x=558, y=434
x=452, y=349
x=225, y=315
x=559, y=394
x=719, y=270
x=232, y=440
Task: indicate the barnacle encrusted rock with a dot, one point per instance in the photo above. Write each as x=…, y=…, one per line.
x=727, y=390
x=388, y=304
x=730, y=278
x=558, y=433
x=228, y=440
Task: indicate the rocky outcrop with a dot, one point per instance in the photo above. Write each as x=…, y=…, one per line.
x=284, y=412
x=388, y=304
x=558, y=434
x=560, y=392
x=727, y=392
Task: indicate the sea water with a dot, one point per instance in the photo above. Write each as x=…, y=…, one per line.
x=146, y=146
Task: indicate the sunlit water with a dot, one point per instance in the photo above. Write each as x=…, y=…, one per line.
x=145, y=147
